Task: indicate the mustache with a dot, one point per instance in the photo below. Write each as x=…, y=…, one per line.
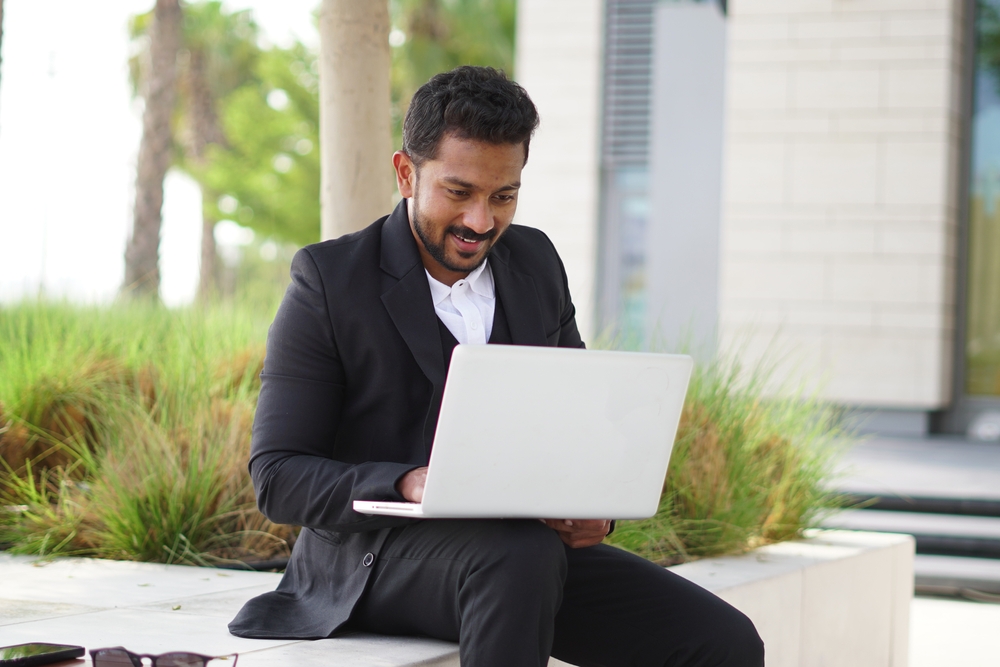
x=467, y=233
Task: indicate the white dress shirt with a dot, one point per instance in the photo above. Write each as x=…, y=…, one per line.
x=466, y=307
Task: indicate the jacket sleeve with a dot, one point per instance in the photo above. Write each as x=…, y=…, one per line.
x=296, y=478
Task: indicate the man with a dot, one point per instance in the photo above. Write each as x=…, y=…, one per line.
x=350, y=394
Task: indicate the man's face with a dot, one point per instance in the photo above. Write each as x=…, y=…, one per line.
x=461, y=202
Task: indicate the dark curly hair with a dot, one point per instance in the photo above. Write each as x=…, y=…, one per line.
x=478, y=103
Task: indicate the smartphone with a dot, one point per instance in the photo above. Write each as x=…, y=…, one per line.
x=26, y=655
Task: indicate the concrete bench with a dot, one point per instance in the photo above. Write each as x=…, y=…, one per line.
x=836, y=598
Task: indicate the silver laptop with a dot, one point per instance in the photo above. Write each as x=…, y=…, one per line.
x=541, y=432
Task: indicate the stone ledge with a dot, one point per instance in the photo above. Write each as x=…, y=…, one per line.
x=837, y=597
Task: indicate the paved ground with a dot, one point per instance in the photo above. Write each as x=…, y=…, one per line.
x=951, y=633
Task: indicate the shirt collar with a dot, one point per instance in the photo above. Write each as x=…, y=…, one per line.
x=480, y=281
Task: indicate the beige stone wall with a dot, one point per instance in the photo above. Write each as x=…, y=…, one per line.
x=840, y=205
x=559, y=62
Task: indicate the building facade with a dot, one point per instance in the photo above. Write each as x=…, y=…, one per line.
x=810, y=182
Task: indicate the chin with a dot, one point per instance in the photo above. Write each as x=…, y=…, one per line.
x=470, y=262
x=464, y=266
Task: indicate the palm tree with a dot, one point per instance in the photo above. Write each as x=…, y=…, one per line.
x=355, y=114
x=142, y=272
x=217, y=55
x=222, y=51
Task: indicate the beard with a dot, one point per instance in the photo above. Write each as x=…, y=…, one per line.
x=436, y=248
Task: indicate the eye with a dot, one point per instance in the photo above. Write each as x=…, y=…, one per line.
x=458, y=193
x=505, y=198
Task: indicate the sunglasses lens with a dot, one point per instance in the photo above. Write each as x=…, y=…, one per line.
x=180, y=660
x=113, y=658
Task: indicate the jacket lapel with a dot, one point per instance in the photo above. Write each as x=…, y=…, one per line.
x=516, y=291
x=408, y=300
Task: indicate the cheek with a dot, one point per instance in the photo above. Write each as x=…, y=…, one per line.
x=442, y=211
x=507, y=211
x=505, y=216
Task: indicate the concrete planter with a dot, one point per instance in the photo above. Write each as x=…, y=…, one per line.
x=835, y=598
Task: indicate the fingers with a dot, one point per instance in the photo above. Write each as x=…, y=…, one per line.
x=577, y=524
x=578, y=533
x=411, y=485
x=580, y=540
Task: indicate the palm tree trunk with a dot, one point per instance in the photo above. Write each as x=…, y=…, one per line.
x=208, y=277
x=142, y=272
x=204, y=129
x=355, y=122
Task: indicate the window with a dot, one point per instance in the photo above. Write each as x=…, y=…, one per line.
x=982, y=338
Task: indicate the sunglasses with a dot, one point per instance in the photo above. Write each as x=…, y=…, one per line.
x=116, y=656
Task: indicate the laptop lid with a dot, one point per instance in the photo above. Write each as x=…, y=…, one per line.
x=541, y=432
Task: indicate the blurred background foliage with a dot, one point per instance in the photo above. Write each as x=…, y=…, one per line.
x=431, y=36
x=247, y=116
x=267, y=175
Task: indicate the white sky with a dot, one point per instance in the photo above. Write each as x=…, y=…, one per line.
x=69, y=134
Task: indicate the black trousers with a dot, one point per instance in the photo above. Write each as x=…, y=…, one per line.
x=512, y=594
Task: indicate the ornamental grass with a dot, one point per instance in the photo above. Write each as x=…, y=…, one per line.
x=750, y=466
x=125, y=433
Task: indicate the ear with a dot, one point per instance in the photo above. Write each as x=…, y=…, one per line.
x=406, y=173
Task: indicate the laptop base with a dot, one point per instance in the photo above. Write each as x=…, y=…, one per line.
x=389, y=508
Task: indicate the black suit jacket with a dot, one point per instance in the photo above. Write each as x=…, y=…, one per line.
x=349, y=401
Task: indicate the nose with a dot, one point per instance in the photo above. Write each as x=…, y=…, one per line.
x=479, y=217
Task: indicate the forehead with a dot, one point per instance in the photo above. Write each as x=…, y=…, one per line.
x=478, y=162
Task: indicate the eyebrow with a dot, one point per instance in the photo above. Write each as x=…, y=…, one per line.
x=465, y=185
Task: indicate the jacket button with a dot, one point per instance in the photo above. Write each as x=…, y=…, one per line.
x=369, y=559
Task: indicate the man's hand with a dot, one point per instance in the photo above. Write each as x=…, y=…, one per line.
x=578, y=533
x=574, y=532
x=411, y=485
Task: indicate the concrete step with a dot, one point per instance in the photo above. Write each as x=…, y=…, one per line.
x=935, y=467
x=927, y=505
x=973, y=578
x=940, y=534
